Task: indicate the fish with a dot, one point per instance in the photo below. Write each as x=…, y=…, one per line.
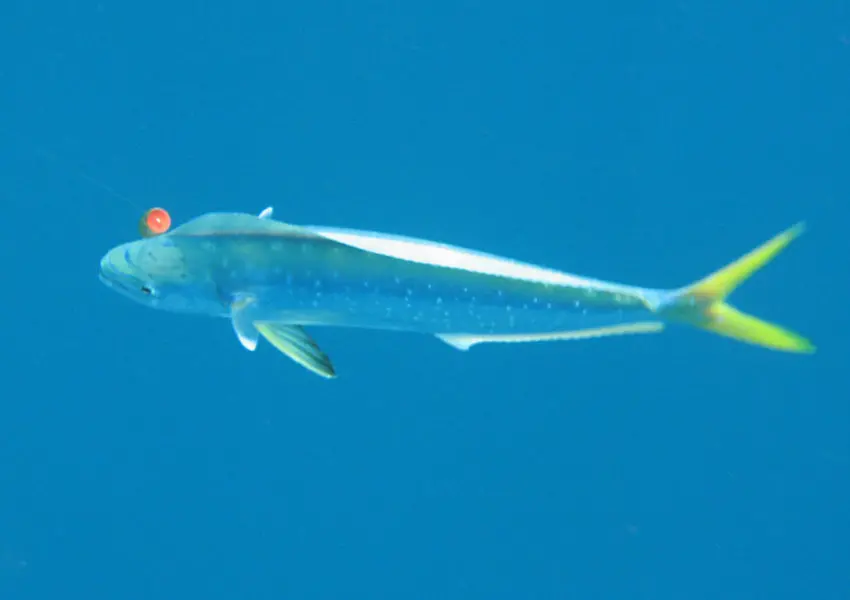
x=273, y=280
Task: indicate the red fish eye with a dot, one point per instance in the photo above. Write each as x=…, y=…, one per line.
x=155, y=221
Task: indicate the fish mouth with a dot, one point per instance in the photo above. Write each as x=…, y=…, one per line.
x=104, y=279
x=118, y=279
x=107, y=272
x=113, y=283
x=109, y=280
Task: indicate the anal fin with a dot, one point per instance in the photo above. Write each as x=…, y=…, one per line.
x=464, y=341
x=297, y=344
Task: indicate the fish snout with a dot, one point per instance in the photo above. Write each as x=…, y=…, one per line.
x=117, y=272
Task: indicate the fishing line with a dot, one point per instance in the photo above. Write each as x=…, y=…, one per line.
x=80, y=172
x=154, y=221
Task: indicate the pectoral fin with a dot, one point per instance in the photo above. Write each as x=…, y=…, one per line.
x=297, y=344
x=242, y=325
x=463, y=341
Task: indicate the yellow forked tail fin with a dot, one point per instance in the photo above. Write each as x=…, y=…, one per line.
x=703, y=303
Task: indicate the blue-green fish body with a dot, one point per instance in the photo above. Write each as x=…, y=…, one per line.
x=271, y=279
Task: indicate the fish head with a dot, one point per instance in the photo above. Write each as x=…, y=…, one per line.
x=154, y=272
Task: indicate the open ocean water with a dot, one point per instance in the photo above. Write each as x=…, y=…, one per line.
x=145, y=455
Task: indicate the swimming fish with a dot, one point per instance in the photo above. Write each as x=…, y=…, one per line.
x=271, y=279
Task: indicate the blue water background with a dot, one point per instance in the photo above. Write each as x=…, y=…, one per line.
x=145, y=455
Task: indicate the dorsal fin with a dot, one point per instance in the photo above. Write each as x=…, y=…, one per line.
x=239, y=223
